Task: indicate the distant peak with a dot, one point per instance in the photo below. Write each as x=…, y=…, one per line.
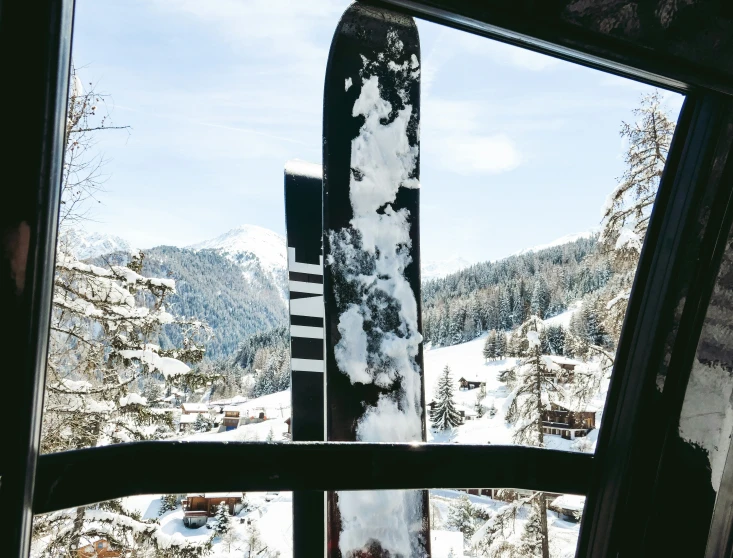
x=85, y=245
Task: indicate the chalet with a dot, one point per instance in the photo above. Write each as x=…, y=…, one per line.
x=98, y=549
x=197, y=508
x=231, y=417
x=193, y=408
x=560, y=421
x=185, y=423
x=470, y=383
x=563, y=369
x=568, y=506
x=461, y=412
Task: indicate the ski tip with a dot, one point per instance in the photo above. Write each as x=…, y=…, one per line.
x=358, y=10
x=296, y=167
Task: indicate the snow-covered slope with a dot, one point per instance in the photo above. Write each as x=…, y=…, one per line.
x=84, y=245
x=558, y=241
x=252, y=246
x=435, y=269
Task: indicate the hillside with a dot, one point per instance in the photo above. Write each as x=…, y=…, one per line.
x=500, y=295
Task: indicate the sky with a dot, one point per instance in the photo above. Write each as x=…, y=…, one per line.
x=517, y=148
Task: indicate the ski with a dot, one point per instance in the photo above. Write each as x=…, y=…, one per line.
x=374, y=360
x=304, y=231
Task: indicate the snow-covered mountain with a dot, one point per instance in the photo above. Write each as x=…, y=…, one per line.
x=84, y=245
x=435, y=269
x=252, y=246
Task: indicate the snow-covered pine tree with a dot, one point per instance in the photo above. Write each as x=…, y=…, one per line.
x=222, y=519
x=490, y=346
x=532, y=388
x=534, y=542
x=444, y=415
x=529, y=401
x=203, y=423
x=461, y=516
x=480, y=396
x=168, y=502
x=501, y=345
x=540, y=298
x=105, y=324
x=627, y=209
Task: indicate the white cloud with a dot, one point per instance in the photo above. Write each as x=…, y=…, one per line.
x=452, y=138
x=479, y=154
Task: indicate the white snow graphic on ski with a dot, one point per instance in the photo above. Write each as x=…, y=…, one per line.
x=374, y=361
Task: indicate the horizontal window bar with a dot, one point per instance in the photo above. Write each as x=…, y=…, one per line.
x=75, y=478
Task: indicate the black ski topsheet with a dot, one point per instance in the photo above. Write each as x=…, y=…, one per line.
x=304, y=226
x=374, y=360
x=304, y=230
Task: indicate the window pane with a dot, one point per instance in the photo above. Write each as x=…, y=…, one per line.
x=171, y=525
x=503, y=522
x=531, y=251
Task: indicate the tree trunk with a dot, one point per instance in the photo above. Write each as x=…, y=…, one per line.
x=543, y=526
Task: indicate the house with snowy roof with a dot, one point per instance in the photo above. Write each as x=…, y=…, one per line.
x=198, y=507
x=568, y=506
x=562, y=368
x=231, y=417
x=470, y=383
x=570, y=424
x=185, y=422
x=193, y=408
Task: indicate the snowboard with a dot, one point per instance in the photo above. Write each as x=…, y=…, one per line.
x=374, y=359
x=304, y=232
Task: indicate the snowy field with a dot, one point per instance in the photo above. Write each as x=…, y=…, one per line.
x=466, y=360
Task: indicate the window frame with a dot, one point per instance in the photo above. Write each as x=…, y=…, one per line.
x=679, y=262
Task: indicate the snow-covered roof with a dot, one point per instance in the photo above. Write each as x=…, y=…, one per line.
x=569, y=502
x=564, y=360
x=187, y=419
x=232, y=409
x=195, y=408
x=222, y=495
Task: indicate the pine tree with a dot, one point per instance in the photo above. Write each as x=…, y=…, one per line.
x=534, y=541
x=501, y=345
x=528, y=405
x=490, y=346
x=540, y=298
x=222, y=519
x=168, y=502
x=627, y=210
x=461, y=516
x=202, y=423
x=444, y=415
x=480, y=396
x=106, y=320
x=533, y=380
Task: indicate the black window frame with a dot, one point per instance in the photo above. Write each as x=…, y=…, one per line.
x=671, y=291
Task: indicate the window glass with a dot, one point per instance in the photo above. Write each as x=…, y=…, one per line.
x=170, y=315
x=538, y=177
x=503, y=522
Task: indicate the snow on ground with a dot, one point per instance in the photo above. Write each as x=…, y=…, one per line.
x=563, y=319
x=467, y=360
x=563, y=535
x=276, y=407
